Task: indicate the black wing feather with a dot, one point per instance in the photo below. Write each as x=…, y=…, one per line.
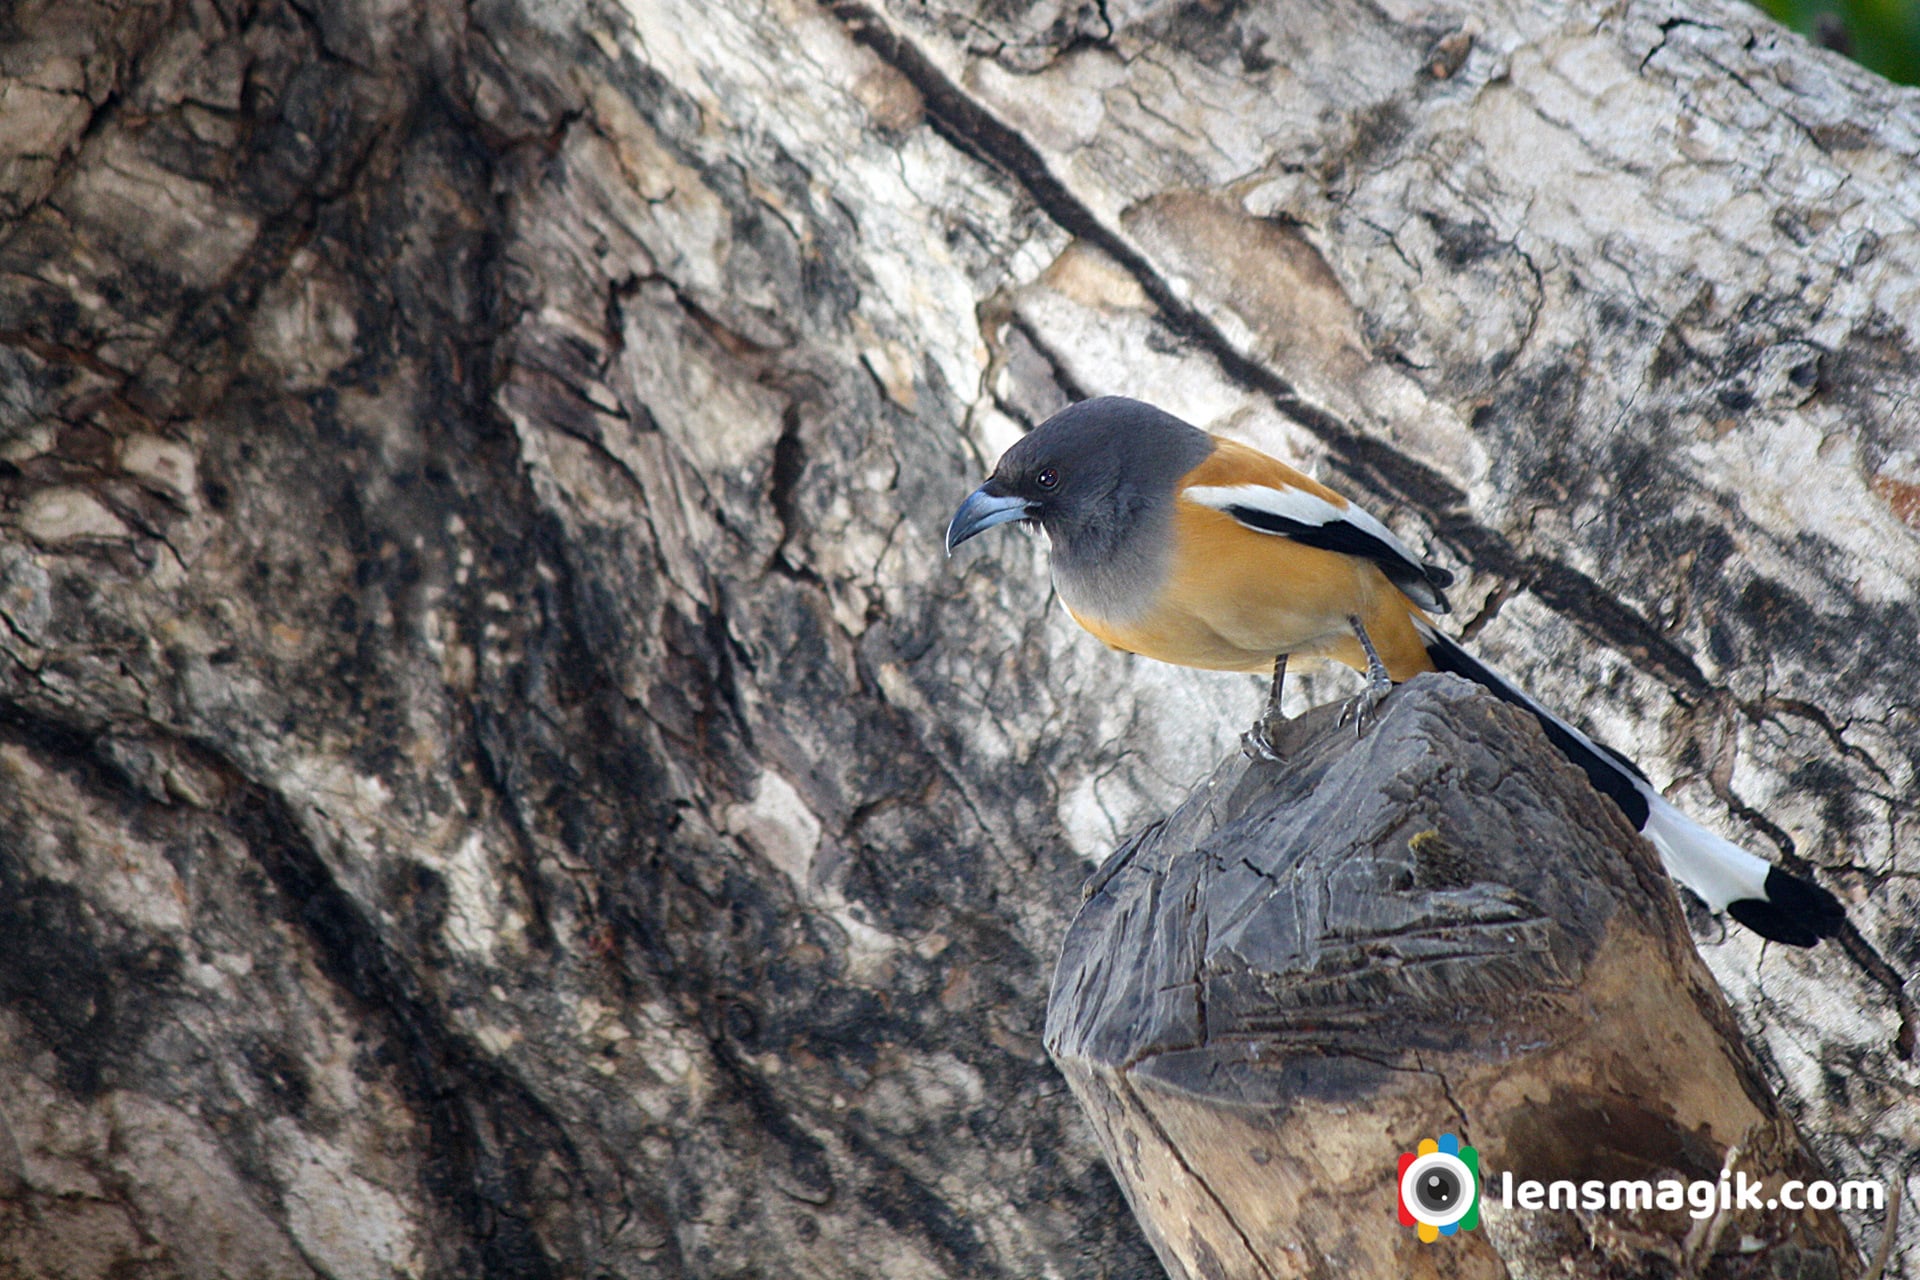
x=1422, y=581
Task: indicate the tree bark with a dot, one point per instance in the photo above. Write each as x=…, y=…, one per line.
x=496, y=776
x=1440, y=928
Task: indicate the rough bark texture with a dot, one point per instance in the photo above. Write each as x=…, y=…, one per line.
x=496, y=777
x=1440, y=928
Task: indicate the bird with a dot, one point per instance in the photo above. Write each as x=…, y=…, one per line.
x=1190, y=548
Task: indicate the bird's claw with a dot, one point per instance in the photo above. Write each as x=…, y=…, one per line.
x=1361, y=708
x=1257, y=742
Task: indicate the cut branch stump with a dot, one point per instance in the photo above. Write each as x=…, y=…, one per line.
x=1437, y=928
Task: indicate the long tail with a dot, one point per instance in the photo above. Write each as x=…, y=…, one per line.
x=1752, y=890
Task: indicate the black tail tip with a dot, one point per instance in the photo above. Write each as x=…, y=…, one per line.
x=1795, y=911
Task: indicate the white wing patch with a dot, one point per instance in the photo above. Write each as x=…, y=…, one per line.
x=1302, y=507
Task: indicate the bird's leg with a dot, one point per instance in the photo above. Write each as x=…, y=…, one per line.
x=1257, y=742
x=1272, y=714
x=1379, y=683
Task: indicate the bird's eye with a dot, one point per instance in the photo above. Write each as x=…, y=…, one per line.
x=1048, y=478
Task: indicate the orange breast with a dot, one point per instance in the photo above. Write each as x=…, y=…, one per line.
x=1235, y=598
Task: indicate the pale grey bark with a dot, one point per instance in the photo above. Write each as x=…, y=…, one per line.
x=498, y=775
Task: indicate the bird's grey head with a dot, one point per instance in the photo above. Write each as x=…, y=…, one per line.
x=1099, y=478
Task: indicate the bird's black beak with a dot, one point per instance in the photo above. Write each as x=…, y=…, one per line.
x=982, y=510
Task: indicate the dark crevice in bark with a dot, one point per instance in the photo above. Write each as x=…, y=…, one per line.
x=1056, y=367
x=644, y=896
x=486, y=1130
x=80, y=982
x=906, y=1203
x=783, y=482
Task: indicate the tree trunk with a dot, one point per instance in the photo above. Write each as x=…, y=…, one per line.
x=1441, y=928
x=496, y=775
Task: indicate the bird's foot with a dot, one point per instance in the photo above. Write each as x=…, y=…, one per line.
x=1361, y=708
x=1258, y=743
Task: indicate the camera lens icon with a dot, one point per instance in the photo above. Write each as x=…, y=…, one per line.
x=1440, y=1188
